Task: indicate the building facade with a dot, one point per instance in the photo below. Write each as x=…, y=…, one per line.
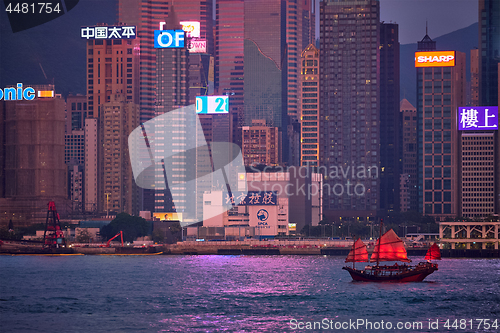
x=350, y=104
x=309, y=107
x=119, y=119
x=112, y=67
x=390, y=166
x=409, y=161
x=32, y=156
x=260, y=144
x=441, y=89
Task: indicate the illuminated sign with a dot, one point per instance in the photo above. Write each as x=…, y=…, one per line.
x=17, y=93
x=169, y=39
x=292, y=226
x=197, y=46
x=212, y=104
x=192, y=28
x=109, y=32
x=435, y=59
x=478, y=118
x=252, y=198
x=168, y=216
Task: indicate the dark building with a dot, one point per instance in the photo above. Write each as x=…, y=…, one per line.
x=350, y=104
x=489, y=51
x=389, y=117
x=408, y=155
x=440, y=91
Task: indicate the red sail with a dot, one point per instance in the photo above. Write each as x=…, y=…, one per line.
x=389, y=247
x=358, y=252
x=433, y=253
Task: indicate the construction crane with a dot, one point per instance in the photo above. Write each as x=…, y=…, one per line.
x=53, y=236
x=118, y=234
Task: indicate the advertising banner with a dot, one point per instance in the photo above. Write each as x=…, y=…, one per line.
x=212, y=104
x=435, y=59
x=478, y=118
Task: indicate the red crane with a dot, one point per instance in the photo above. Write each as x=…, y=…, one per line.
x=53, y=236
x=118, y=234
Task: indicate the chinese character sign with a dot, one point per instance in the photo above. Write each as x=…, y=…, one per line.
x=252, y=198
x=478, y=118
x=108, y=32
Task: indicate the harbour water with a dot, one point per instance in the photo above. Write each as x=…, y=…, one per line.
x=237, y=294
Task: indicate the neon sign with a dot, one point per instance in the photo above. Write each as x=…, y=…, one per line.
x=435, y=59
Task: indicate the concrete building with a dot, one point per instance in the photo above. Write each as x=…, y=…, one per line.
x=119, y=118
x=74, y=147
x=441, y=90
x=309, y=107
x=260, y=144
x=112, y=67
x=350, y=105
x=470, y=235
x=32, y=157
x=277, y=203
x=408, y=152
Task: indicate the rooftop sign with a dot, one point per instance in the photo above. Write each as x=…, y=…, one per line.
x=108, y=32
x=478, y=118
x=435, y=59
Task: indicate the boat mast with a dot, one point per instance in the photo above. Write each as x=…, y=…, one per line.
x=379, y=236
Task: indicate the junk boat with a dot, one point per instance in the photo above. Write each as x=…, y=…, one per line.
x=390, y=247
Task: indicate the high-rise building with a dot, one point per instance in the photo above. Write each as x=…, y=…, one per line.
x=389, y=117
x=76, y=112
x=441, y=89
x=32, y=160
x=409, y=161
x=489, y=51
x=119, y=118
x=147, y=15
x=300, y=32
x=172, y=82
x=92, y=177
x=478, y=174
x=474, y=77
x=349, y=104
x=260, y=143
x=112, y=67
x=258, y=46
x=309, y=106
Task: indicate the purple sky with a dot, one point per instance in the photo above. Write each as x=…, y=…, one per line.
x=443, y=16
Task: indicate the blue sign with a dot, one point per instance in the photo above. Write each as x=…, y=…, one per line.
x=252, y=198
x=478, y=118
x=262, y=215
x=212, y=104
x=108, y=32
x=169, y=39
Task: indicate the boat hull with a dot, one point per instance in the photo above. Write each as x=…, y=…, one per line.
x=393, y=273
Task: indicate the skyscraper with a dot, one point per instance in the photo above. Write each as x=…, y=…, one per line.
x=147, y=15
x=389, y=117
x=172, y=82
x=349, y=104
x=112, y=66
x=119, y=118
x=408, y=154
x=489, y=51
x=309, y=106
x=441, y=87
